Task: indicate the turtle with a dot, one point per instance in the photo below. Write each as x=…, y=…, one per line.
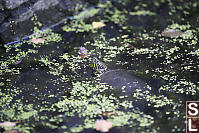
x=119, y=78
x=124, y=82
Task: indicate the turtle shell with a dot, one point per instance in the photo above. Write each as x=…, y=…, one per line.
x=126, y=83
x=123, y=79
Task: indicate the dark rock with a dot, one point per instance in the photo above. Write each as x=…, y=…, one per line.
x=71, y=5
x=92, y=1
x=20, y=24
x=2, y=17
x=1, y=6
x=17, y=23
x=25, y=11
x=16, y=13
x=12, y=4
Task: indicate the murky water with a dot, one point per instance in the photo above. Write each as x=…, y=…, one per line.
x=48, y=87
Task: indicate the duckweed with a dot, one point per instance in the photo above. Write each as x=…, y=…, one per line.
x=62, y=96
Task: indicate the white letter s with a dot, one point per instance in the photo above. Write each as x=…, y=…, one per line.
x=193, y=108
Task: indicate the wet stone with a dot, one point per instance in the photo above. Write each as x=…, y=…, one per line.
x=2, y=17
x=11, y=4
x=19, y=13
x=1, y=5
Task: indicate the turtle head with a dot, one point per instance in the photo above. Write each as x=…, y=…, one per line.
x=98, y=67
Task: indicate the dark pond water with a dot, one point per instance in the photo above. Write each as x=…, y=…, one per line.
x=49, y=87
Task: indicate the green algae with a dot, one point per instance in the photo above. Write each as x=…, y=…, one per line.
x=142, y=13
x=86, y=104
x=48, y=35
x=87, y=13
x=77, y=24
x=197, y=52
x=87, y=98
